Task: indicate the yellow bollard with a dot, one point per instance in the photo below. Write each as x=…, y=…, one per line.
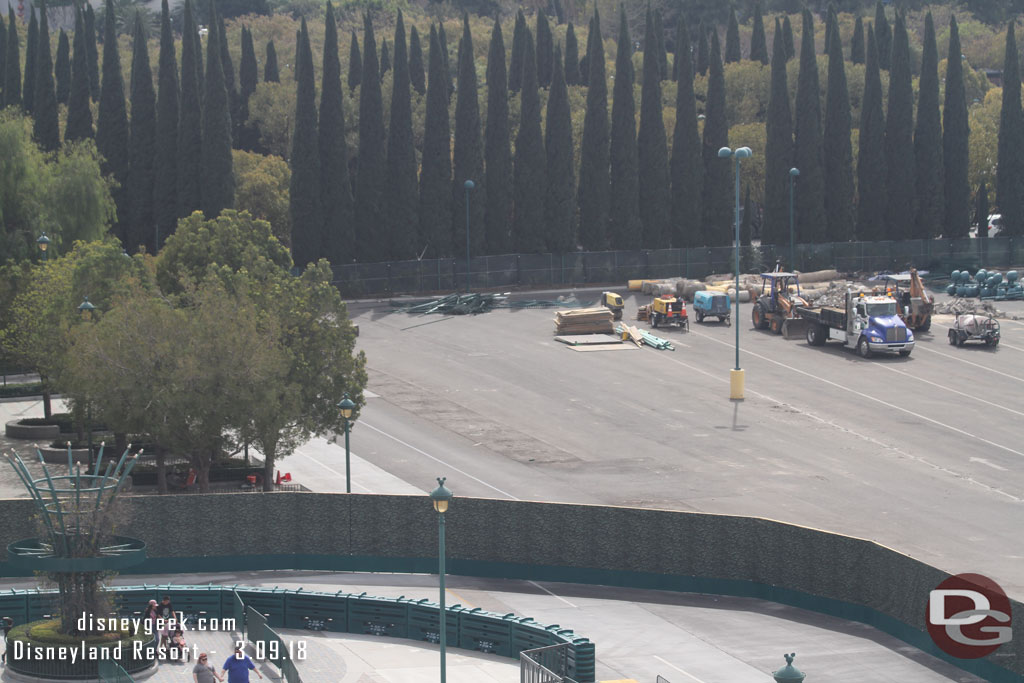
x=736, y=385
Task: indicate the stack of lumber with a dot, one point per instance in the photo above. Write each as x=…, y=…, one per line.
x=584, y=321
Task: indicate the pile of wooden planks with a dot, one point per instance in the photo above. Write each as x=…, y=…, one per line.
x=584, y=321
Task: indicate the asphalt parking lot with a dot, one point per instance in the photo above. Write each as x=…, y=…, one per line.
x=922, y=454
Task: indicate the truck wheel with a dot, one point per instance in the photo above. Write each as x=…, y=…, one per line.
x=926, y=325
x=952, y=337
x=757, y=316
x=776, y=325
x=654, y=320
x=700, y=316
x=862, y=348
x=905, y=352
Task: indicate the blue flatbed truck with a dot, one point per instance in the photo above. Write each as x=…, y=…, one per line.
x=870, y=324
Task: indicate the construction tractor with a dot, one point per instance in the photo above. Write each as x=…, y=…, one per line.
x=915, y=302
x=666, y=310
x=775, y=307
x=613, y=302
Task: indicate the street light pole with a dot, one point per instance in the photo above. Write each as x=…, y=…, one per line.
x=43, y=243
x=793, y=174
x=346, y=406
x=440, y=497
x=85, y=309
x=469, y=186
x=736, y=376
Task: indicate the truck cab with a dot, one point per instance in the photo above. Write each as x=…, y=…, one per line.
x=874, y=324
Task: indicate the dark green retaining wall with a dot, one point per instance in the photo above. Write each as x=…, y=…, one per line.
x=683, y=551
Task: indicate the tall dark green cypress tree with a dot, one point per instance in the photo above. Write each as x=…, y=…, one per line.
x=28, y=85
x=652, y=150
x=928, y=141
x=857, y=42
x=718, y=209
x=787, y=38
x=746, y=229
x=954, y=141
x=839, y=159
x=572, y=57
x=1010, y=169
x=229, y=81
x=93, y=52
x=545, y=51
x=112, y=132
x=687, y=168
x=216, y=174
x=371, y=174
x=417, y=76
x=594, y=150
x=468, y=153
x=623, y=215
x=247, y=136
x=304, y=197
x=62, y=68
x=355, y=63
x=830, y=16
x=901, y=191
x=585, y=59
x=442, y=39
x=334, y=184
x=436, y=173
x=703, y=55
x=807, y=150
x=732, y=39
x=497, y=151
x=559, y=203
x=515, y=68
x=46, y=127
x=871, y=168
x=12, y=63
x=758, y=41
x=141, y=144
x=3, y=58
x=79, y=125
x=778, y=155
x=530, y=173
x=402, y=207
x=190, y=119
x=883, y=37
x=659, y=46
x=165, y=164
x=385, y=58
x=271, y=72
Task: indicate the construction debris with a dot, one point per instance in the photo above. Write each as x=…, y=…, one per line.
x=588, y=339
x=647, y=338
x=965, y=306
x=584, y=321
x=463, y=304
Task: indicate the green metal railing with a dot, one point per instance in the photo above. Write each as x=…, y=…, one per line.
x=112, y=672
x=269, y=644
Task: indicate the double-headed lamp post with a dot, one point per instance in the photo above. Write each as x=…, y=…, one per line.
x=794, y=173
x=85, y=309
x=736, y=375
x=43, y=243
x=346, y=406
x=469, y=186
x=440, y=497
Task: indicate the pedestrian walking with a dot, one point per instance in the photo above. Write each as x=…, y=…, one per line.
x=202, y=672
x=238, y=666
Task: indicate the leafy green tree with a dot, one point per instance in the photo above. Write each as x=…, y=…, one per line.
x=93, y=52
x=1010, y=178
x=778, y=154
x=871, y=166
x=530, y=176
x=28, y=97
x=883, y=36
x=595, y=160
x=305, y=210
x=732, y=39
x=355, y=63
x=624, y=216
x=190, y=117
x=165, y=163
x=559, y=202
x=899, y=135
x=515, y=69
x=652, y=151
x=62, y=68
x=271, y=73
x=112, y=132
x=417, y=76
x=47, y=128
x=216, y=175
x=857, y=42
x=262, y=188
x=687, y=168
x=545, y=51
x=717, y=172
x=703, y=55
x=928, y=141
x=839, y=158
x=954, y=140
x=371, y=176
x=402, y=208
x=334, y=183
x=79, y=123
x=436, y=173
x=807, y=150
x=467, y=156
x=12, y=63
x=758, y=41
x=572, y=57
x=142, y=145
x=385, y=58
x=497, y=152
x=787, y=38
